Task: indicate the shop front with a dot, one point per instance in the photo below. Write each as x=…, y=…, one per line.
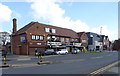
x=36, y=46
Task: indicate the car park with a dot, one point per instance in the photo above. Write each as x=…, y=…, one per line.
x=62, y=51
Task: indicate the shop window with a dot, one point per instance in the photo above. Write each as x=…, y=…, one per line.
x=72, y=39
x=84, y=40
x=53, y=30
x=62, y=39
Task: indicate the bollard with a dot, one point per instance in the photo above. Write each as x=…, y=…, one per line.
x=41, y=58
x=4, y=60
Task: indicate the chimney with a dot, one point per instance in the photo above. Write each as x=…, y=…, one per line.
x=14, y=25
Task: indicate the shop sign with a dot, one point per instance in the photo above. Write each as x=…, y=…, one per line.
x=77, y=44
x=68, y=44
x=54, y=43
x=38, y=43
x=22, y=39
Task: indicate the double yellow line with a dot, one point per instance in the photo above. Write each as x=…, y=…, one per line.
x=103, y=69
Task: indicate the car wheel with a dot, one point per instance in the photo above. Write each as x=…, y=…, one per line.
x=58, y=53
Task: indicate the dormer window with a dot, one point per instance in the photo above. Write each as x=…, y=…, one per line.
x=53, y=30
x=47, y=29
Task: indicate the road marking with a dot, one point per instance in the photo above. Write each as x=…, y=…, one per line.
x=22, y=59
x=75, y=60
x=51, y=56
x=23, y=56
x=103, y=69
x=96, y=57
x=109, y=55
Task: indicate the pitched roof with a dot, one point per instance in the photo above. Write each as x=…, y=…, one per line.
x=80, y=33
x=25, y=28
x=59, y=31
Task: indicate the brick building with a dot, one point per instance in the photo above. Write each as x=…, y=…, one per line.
x=83, y=39
x=105, y=42
x=41, y=36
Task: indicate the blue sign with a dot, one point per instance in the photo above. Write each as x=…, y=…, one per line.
x=22, y=39
x=68, y=44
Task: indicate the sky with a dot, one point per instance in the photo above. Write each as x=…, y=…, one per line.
x=75, y=15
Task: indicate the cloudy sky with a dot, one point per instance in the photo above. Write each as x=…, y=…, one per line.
x=76, y=15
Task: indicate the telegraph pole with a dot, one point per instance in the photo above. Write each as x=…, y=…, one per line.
x=101, y=38
x=101, y=30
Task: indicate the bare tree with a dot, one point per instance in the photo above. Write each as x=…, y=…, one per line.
x=5, y=37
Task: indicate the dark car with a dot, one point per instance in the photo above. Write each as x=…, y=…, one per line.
x=50, y=52
x=75, y=51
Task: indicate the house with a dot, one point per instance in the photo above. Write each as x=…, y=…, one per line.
x=105, y=42
x=83, y=39
x=40, y=36
x=94, y=41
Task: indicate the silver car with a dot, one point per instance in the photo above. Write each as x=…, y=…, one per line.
x=62, y=51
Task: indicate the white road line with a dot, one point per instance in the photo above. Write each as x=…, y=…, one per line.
x=109, y=55
x=75, y=60
x=97, y=57
x=23, y=59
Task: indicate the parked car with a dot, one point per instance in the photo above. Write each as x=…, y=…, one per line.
x=75, y=51
x=50, y=52
x=62, y=51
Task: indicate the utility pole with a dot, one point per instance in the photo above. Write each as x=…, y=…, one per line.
x=101, y=38
x=101, y=30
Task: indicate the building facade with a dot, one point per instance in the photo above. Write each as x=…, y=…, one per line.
x=105, y=42
x=41, y=37
x=83, y=39
x=94, y=41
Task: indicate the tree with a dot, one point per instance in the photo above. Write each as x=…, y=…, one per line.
x=116, y=45
x=5, y=37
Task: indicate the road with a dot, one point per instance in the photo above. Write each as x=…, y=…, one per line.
x=64, y=64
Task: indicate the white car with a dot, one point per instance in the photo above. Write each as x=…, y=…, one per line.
x=62, y=51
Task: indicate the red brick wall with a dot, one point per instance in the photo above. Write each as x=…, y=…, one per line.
x=84, y=37
x=18, y=46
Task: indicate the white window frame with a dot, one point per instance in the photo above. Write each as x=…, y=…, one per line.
x=47, y=29
x=33, y=37
x=37, y=37
x=53, y=30
x=41, y=37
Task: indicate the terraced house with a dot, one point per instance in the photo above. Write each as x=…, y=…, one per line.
x=40, y=36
